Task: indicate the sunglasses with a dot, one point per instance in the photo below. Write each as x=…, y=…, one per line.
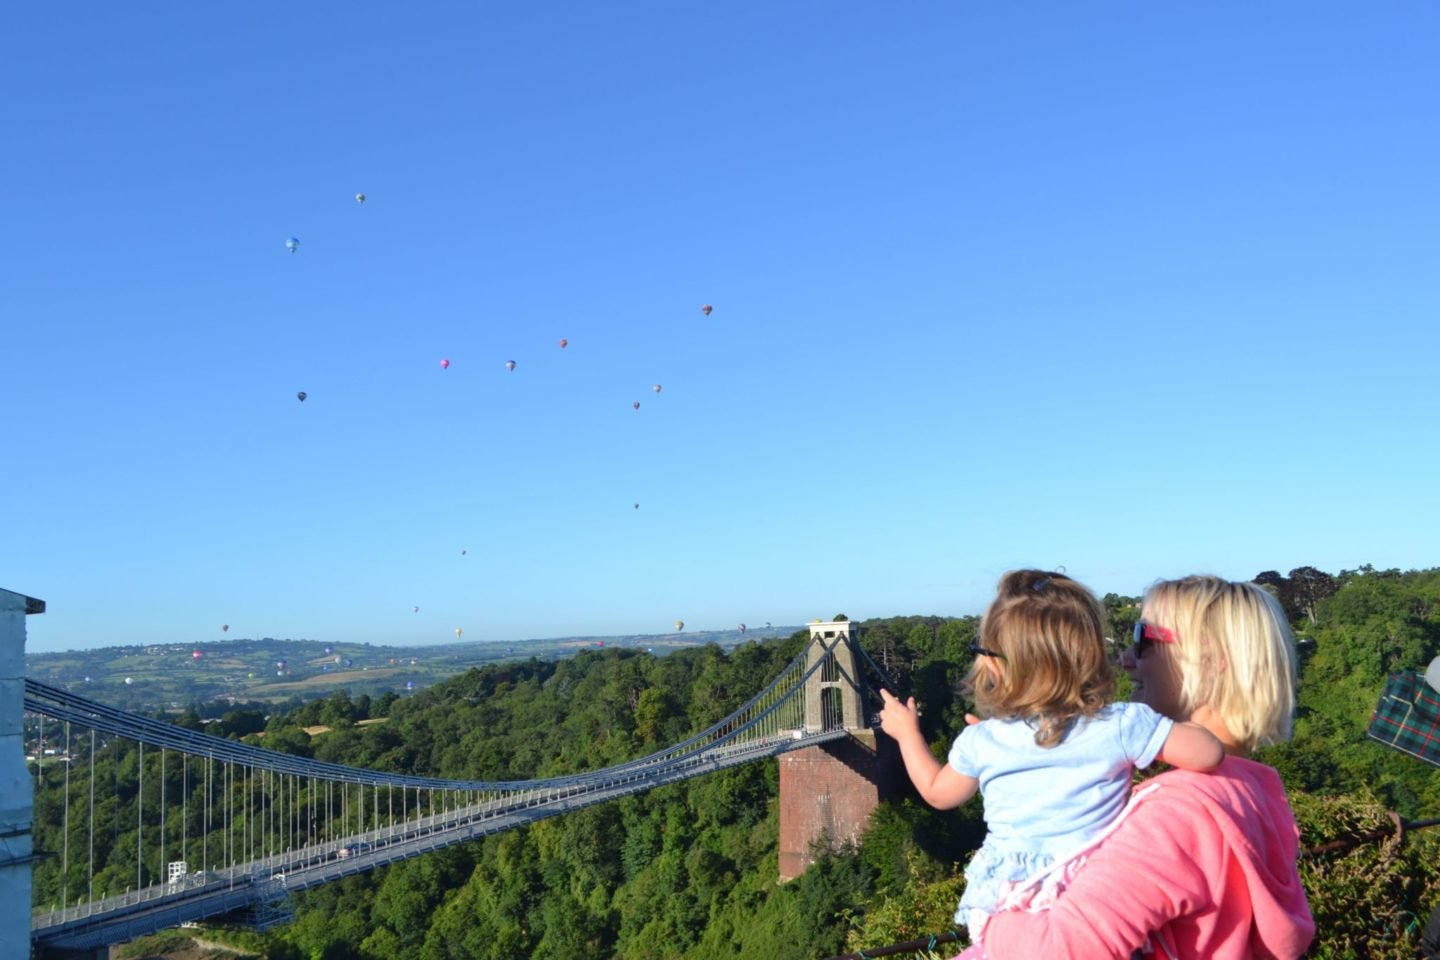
x=1146, y=633
x=978, y=651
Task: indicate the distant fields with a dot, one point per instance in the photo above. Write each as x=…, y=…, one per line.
x=271, y=671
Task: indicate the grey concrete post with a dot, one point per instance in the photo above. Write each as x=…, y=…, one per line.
x=17, y=801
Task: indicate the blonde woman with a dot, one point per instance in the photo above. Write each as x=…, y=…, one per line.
x=1200, y=865
x=1054, y=759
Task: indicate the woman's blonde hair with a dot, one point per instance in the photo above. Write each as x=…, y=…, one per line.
x=1051, y=632
x=1234, y=653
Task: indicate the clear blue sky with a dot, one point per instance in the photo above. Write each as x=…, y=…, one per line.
x=1135, y=289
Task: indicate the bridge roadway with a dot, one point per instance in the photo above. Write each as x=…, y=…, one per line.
x=221, y=891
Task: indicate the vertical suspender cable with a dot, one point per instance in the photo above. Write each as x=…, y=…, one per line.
x=205, y=847
x=185, y=809
x=115, y=785
x=92, y=816
x=164, y=864
x=139, y=822
x=65, y=826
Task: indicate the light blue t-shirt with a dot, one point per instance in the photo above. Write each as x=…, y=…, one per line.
x=1045, y=802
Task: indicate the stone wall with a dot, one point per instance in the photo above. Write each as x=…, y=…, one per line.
x=828, y=791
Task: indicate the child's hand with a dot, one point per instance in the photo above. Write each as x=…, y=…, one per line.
x=899, y=719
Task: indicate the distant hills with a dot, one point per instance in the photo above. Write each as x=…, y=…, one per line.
x=214, y=676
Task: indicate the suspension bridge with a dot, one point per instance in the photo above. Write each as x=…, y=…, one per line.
x=190, y=826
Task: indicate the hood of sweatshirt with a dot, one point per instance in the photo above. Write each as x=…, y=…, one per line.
x=1246, y=801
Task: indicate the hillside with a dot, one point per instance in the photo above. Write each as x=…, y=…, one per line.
x=213, y=677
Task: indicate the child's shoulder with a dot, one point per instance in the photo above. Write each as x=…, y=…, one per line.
x=1127, y=711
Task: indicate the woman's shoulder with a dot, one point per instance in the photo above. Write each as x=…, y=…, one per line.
x=1238, y=786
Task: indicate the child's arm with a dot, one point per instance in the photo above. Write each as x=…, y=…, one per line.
x=939, y=784
x=1191, y=747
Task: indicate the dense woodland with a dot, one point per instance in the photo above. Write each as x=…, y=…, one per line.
x=689, y=870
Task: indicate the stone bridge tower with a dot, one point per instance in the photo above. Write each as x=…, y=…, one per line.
x=828, y=791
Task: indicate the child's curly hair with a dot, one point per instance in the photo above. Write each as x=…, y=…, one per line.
x=1050, y=630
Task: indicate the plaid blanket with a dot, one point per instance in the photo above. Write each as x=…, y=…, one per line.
x=1408, y=717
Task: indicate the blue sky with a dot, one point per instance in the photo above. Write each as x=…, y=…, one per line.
x=1133, y=289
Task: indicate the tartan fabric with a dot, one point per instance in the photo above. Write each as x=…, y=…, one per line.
x=1408, y=717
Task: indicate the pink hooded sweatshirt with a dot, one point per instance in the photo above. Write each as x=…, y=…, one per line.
x=1203, y=862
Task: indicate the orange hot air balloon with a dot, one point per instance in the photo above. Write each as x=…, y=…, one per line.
x=706, y=309
x=564, y=343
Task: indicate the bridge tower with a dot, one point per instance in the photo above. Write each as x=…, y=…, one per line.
x=17, y=799
x=828, y=791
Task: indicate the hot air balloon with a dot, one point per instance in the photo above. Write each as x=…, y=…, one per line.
x=767, y=624
x=87, y=679
x=224, y=628
x=444, y=364
x=329, y=650
x=292, y=244
x=706, y=309
x=409, y=684
x=129, y=681
x=656, y=388
x=636, y=404
x=196, y=655
x=637, y=506
x=250, y=675
x=349, y=663
x=324, y=668
x=564, y=343
x=279, y=664
x=742, y=628
x=510, y=365
x=300, y=396
x=417, y=609
x=679, y=625
x=359, y=198
x=457, y=631
x=462, y=553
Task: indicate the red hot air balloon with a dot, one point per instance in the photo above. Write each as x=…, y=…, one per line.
x=564, y=343
x=444, y=364
x=706, y=309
